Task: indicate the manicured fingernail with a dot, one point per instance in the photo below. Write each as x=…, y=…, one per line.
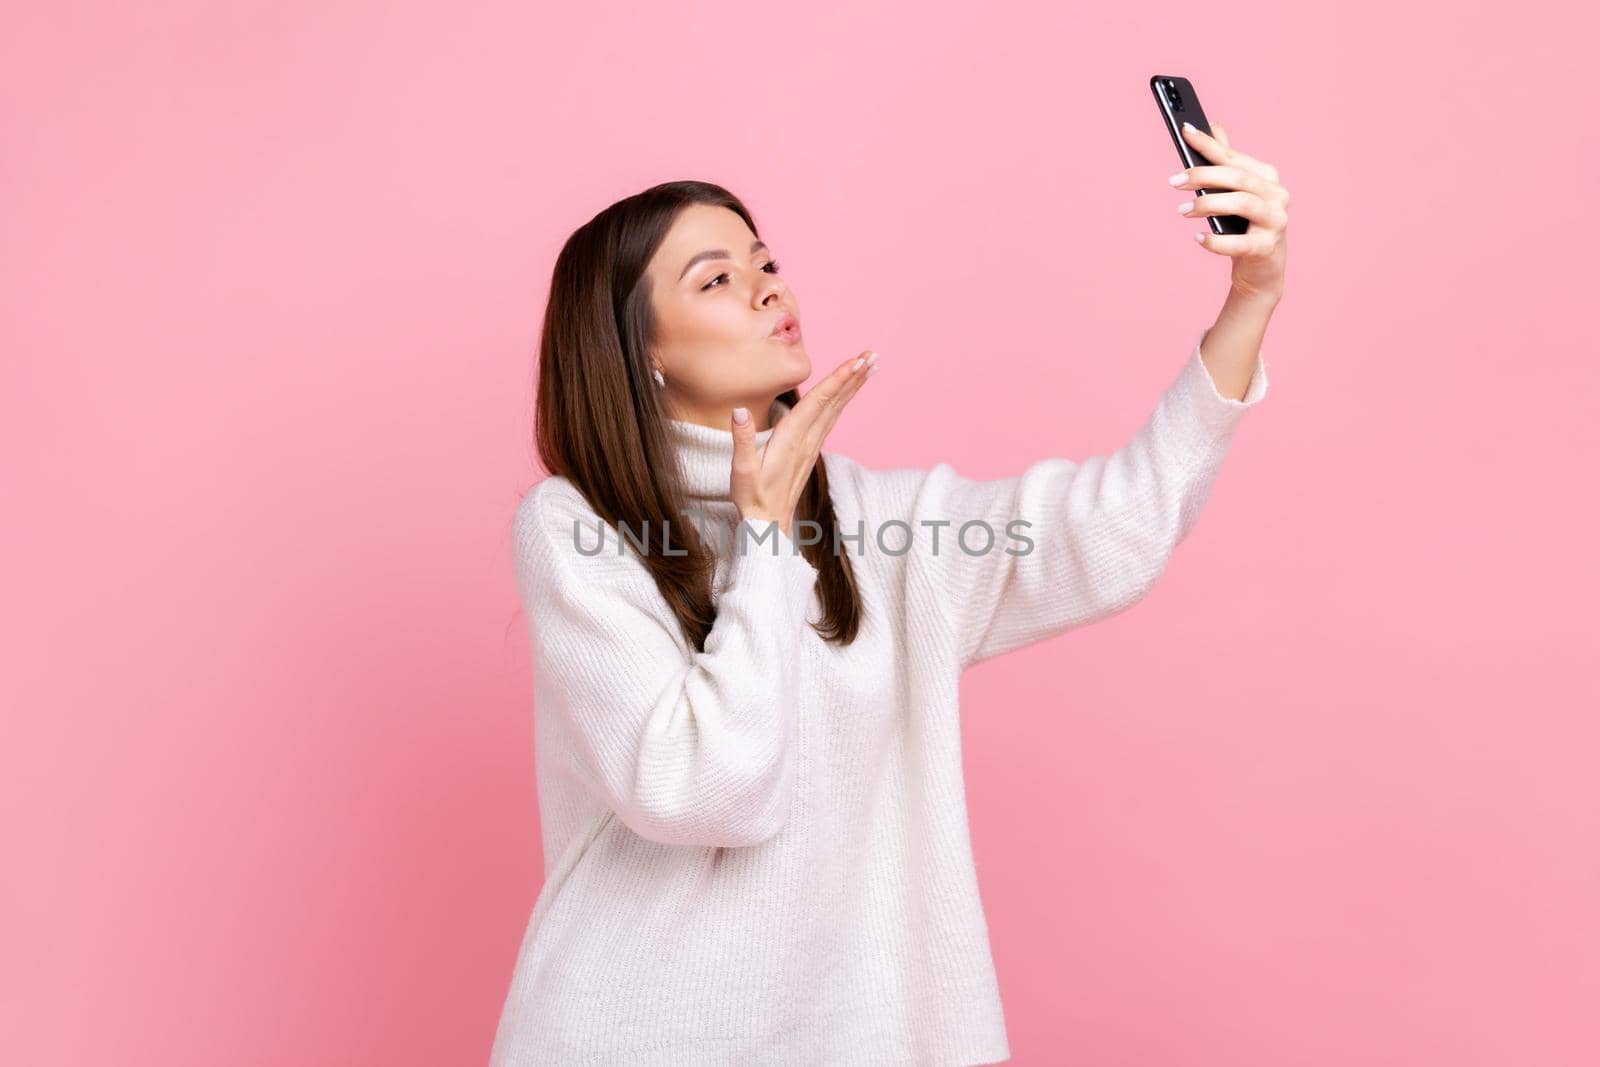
x=872, y=359
x=859, y=364
x=1189, y=126
x=1186, y=207
x=741, y=415
x=1178, y=178
x=1200, y=238
x=872, y=370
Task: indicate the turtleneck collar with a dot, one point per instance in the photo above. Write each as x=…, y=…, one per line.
x=705, y=456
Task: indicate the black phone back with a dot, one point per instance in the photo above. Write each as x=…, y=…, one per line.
x=1179, y=104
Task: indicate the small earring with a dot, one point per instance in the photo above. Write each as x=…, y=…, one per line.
x=660, y=381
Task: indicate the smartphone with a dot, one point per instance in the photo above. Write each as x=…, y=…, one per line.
x=1179, y=104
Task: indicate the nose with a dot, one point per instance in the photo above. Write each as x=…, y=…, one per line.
x=772, y=289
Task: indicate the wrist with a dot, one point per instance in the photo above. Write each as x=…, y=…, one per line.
x=767, y=520
x=1255, y=299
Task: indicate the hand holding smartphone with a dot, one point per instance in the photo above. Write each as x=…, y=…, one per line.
x=1179, y=104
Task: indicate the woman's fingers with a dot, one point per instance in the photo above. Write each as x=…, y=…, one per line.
x=1220, y=176
x=746, y=459
x=812, y=412
x=825, y=393
x=817, y=431
x=768, y=480
x=1218, y=151
x=1248, y=205
x=1256, y=194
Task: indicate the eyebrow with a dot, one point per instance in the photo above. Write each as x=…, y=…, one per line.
x=716, y=253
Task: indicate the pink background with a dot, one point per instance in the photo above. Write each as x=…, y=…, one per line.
x=273, y=282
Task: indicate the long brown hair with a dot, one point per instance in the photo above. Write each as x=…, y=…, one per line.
x=600, y=422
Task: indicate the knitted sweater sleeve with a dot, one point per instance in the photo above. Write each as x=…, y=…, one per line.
x=688, y=747
x=1077, y=541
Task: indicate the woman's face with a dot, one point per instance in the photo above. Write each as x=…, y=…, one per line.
x=714, y=319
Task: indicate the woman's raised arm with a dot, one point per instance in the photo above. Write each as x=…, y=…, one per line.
x=1073, y=541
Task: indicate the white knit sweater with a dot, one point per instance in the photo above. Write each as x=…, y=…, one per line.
x=760, y=853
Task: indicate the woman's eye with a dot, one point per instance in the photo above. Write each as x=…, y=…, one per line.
x=771, y=267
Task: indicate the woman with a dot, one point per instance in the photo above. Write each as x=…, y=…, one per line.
x=746, y=650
